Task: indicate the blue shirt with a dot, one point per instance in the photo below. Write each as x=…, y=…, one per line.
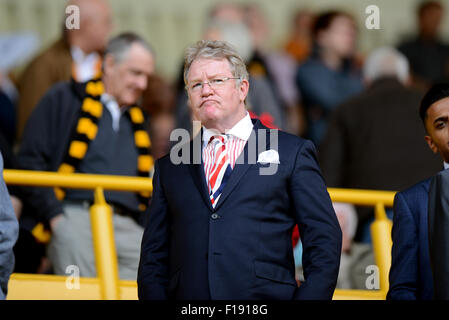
x=322, y=90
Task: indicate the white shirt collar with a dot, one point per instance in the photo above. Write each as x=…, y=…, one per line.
x=241, y=130
x=446, y=165
x=77, y=53
x=115, y=110
x=85, y=64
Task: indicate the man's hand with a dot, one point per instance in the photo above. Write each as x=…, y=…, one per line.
x=347, y=218
x=17, y=206
x=54, y=221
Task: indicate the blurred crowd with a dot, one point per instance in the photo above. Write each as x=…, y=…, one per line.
x=360, y=111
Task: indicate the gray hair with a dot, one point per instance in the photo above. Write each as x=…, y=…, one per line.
x=384, y=62
x=216, y=50
x=119, y=46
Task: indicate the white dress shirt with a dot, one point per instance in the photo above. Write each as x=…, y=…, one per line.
x=114, y=109
x=85, y=64
x=238, y=135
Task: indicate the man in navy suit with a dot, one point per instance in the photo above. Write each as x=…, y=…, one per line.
x=438, y=236
x=226, y=233
x=410, y=273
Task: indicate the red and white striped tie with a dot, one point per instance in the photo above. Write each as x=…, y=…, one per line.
x=219, y=170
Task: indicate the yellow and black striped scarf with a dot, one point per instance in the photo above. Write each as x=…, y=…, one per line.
x=86, y=131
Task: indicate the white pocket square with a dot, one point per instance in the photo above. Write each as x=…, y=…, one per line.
x=269, y=156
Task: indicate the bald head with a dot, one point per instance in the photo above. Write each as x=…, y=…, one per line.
x=89, y=8
x=386, y=62
x=95, y=25
x=227, y=11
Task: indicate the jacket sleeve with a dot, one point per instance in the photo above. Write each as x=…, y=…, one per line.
x=320, y=231
x=152, y=277
x=403, y=275
x=37, y=153
x=9, y=229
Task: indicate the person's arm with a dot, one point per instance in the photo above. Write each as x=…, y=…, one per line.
x=37, y=153
x=404, y=254
x=152, y=277
x=9, y=229
x=320, y=231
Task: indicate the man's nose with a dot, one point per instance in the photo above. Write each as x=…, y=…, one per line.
x=142, y=82
x=206, y=89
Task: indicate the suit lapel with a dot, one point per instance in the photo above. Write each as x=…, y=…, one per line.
x=197, y=171
x=242, y=163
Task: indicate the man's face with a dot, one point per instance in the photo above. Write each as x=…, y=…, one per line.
x=437, y=125
x=220, y=107
x=97, y=26
x=430, y=21
x=340, y=37
x=126, y=80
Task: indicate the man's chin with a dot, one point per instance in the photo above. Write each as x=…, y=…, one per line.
x=129, y=102
x=208, y=115
x=208, y=122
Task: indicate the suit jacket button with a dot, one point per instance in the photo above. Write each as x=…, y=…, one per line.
x=215, y=216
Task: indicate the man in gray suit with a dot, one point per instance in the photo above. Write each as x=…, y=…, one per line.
x=9, y=229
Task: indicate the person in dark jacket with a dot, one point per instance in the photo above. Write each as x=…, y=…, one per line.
x=410, y=273
x=220, y=224
x=372, y=136
x=93, y=127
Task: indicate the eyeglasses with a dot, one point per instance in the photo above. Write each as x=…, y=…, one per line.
x=213, y=84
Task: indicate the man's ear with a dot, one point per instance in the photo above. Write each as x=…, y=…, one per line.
x=189, y=103
x=431, y=144
x=191, y=110
x=244, y=88
x=108, y=63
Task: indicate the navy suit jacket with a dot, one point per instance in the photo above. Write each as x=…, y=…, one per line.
x=242, y=248
x=410, y=273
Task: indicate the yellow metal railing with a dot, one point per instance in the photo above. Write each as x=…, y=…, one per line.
x=101, y=222
x=108, y=285
x=380, y=234
x=76, y=180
